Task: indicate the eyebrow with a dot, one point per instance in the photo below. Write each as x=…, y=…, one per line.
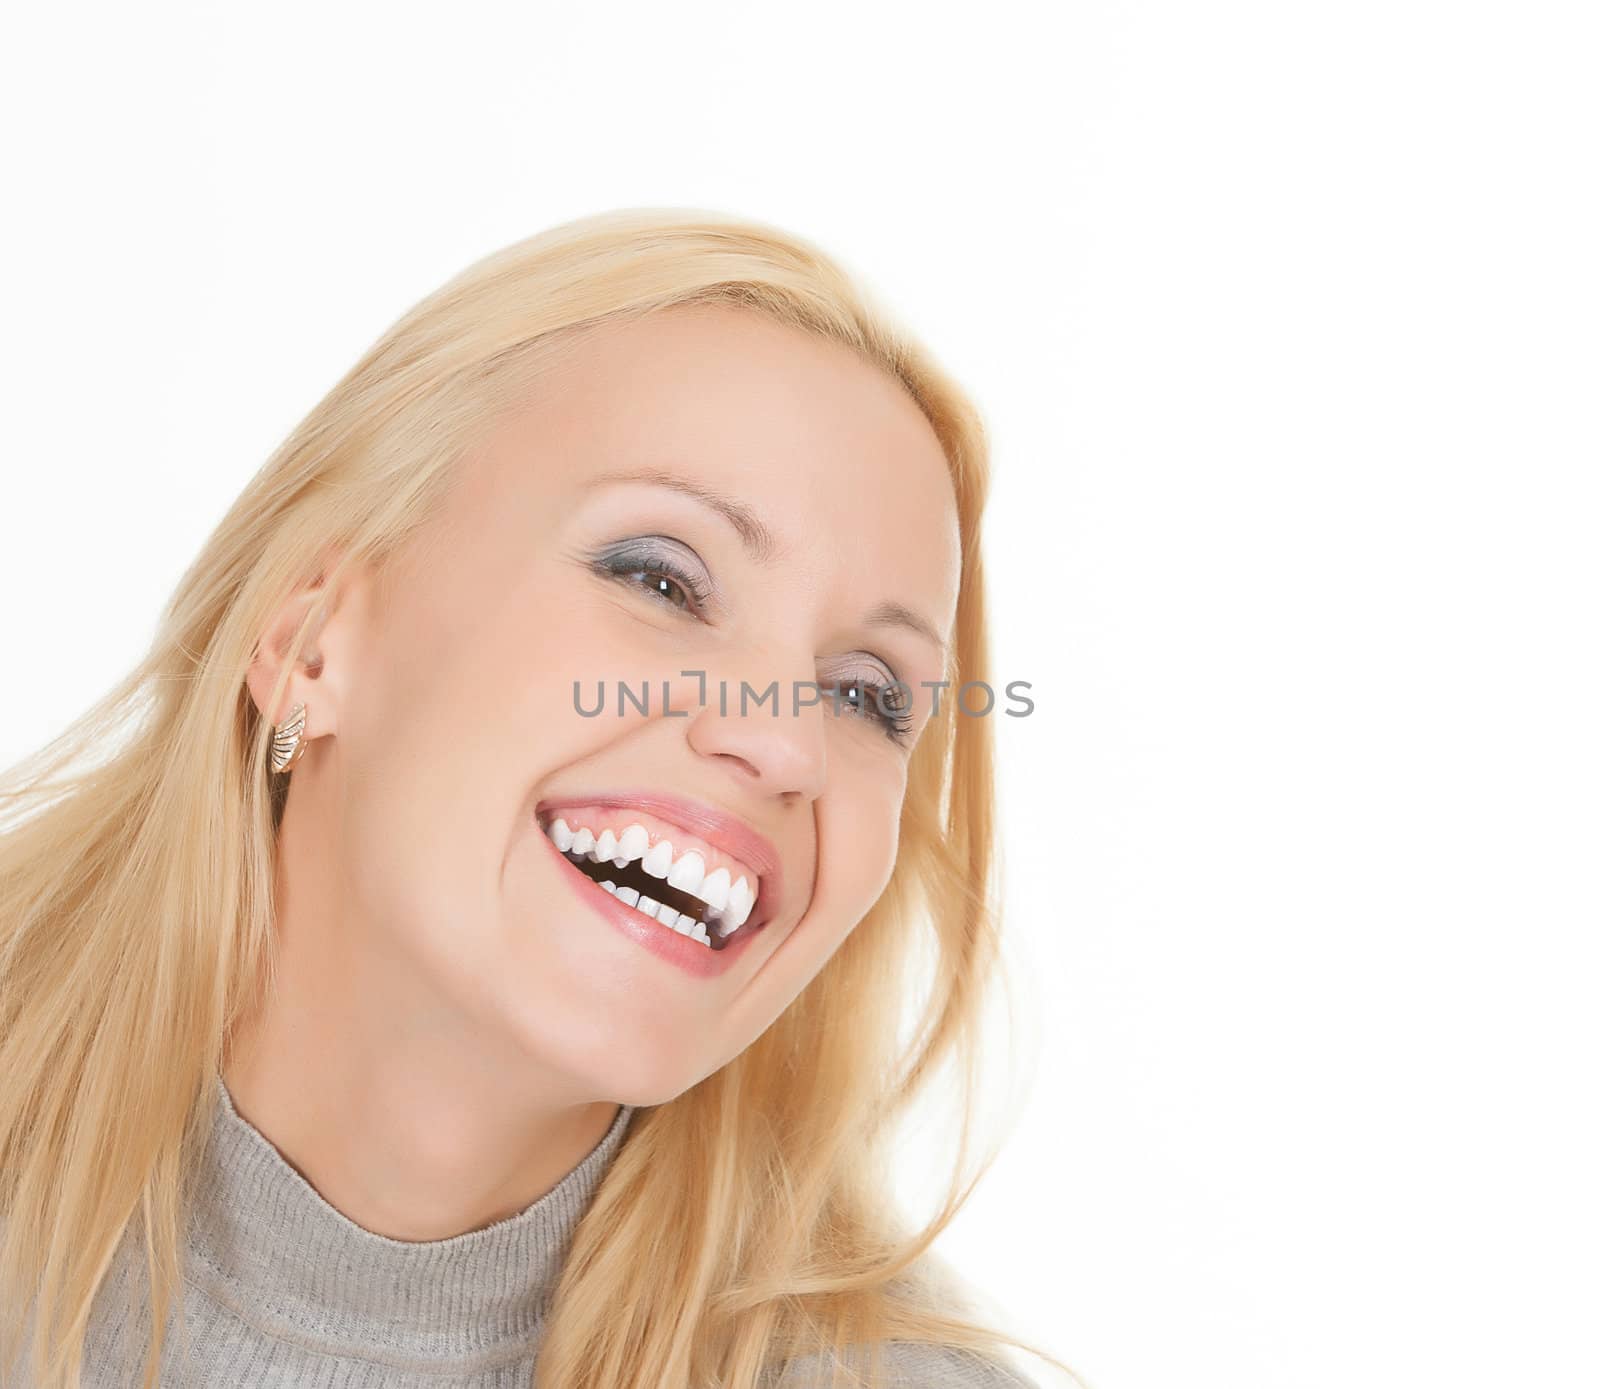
x=891, y=614
x=758, y=540
x=763, y=546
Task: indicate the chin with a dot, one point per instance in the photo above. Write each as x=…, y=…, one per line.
x=602, y=1058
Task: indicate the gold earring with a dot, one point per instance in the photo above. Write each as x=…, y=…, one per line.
x=288, y=744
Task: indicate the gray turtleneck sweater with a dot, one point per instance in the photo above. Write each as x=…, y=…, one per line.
x=282, y=1291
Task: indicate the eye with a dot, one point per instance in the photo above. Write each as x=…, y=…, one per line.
x=888, y=705
x=658, y=573
x=663, y=585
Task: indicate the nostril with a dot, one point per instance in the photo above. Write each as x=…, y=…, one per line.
x=745, y=765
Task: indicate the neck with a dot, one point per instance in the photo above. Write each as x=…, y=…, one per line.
x=398, y=1143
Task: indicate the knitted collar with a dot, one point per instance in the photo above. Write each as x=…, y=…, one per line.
x=265, y=1244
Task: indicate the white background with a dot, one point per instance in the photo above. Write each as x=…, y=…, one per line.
x=1284, y=318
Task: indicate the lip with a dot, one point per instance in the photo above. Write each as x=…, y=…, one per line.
x=662, y=941
x=717, y=827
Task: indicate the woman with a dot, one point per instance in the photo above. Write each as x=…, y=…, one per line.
x=466, y=957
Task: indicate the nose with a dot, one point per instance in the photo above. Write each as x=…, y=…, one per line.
x=771, y=748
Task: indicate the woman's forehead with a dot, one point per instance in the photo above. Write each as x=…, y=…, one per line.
x=826, y=453
x=734, y=389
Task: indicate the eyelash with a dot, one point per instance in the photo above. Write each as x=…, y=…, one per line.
x=630, y=569
x=896, y=725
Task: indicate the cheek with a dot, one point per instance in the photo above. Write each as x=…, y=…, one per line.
x=467, y=715
x=860, y=838
x=572, y=660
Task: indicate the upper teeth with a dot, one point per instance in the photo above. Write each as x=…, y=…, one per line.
x=728, y=903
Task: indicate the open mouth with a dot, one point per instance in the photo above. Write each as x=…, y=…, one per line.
x=690, y=888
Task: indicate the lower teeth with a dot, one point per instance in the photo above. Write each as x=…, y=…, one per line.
x=694, y=925
x=697, y=930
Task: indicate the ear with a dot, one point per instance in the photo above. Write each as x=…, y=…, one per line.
x=317, y=677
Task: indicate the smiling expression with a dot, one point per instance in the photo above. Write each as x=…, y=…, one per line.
x=700, y=490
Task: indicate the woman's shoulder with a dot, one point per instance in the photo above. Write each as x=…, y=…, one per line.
x=907, y=1365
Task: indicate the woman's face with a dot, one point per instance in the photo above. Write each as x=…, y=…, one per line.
x=700, y=491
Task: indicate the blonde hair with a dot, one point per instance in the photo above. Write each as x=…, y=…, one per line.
x=743, y=1222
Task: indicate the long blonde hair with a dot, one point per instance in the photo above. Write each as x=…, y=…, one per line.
x=745, y=1221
